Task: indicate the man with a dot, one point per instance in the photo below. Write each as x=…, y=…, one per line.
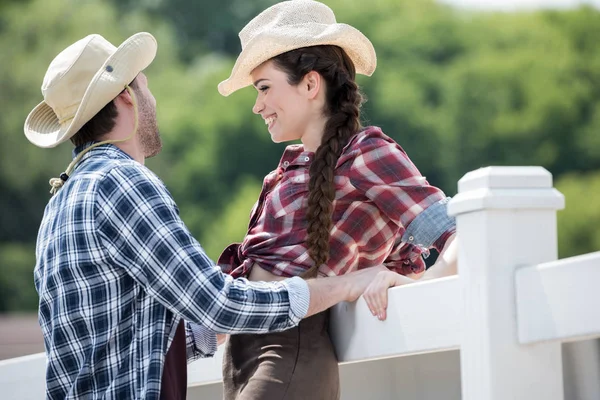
x=117, y=271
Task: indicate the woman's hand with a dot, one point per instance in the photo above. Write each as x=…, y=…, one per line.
x=376, y=294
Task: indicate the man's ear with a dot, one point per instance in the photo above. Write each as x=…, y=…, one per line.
x=311, y=84
x=125, y=97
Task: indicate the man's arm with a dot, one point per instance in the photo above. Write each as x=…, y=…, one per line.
x=139, y=225
x=321, y=293
x=327, y=292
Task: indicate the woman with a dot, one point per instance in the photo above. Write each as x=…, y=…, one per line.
x=346, y=198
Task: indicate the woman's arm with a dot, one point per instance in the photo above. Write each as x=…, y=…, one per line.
x=391, y=182
x=376, y=294
x=446, y=263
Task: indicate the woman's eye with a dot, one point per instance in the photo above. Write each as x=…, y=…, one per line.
x=263, y=88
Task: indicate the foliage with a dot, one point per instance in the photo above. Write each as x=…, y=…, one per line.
x=457, y=90
x=17, y=292
x=202, y=26
x=232, y=224
x=578, y=223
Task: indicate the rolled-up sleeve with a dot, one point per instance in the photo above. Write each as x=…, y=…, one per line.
x=139, y=225
x=299, y=296
x=201, y=342
x=430, y=225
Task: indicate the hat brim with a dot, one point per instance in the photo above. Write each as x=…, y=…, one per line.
x=268, y=45
x=42, y=126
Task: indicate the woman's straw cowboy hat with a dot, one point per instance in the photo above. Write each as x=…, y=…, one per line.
x=81, y=80
x=290, y=25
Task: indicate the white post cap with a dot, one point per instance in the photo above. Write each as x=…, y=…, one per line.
x=506, y=188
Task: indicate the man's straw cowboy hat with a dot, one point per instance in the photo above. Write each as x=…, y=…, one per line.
x=290, y=25
x=81, y=80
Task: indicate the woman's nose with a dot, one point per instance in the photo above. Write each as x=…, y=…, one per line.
x=258, y=106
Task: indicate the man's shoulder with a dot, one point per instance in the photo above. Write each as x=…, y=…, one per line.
x=120, y=174
x=109, y=169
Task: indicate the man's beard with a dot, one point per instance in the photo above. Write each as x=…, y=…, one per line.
x=148, y=129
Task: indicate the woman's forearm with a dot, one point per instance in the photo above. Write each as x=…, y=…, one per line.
x=447, y=261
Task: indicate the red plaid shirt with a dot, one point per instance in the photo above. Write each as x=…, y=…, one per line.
x=385, y=212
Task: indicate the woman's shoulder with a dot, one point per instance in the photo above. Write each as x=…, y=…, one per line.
x=370, y=134
x=370, y=137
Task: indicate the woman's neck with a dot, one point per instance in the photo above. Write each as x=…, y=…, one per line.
x=313, y=135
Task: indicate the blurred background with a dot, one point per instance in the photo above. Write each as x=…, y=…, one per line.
x=460, y=84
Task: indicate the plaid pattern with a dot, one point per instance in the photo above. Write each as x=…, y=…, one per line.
x=385, y=212
x=117, y=269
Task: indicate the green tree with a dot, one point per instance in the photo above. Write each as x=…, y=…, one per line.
x=17, y=292
x=578, y=223
x=457, y=90
x=31, y=34
x=232, y=223
x=202, y=26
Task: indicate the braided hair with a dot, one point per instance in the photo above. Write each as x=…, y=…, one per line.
x=342, y=108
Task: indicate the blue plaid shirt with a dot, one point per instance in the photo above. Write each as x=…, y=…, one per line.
x=116, y=270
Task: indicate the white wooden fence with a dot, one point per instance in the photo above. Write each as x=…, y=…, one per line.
x=493, y=332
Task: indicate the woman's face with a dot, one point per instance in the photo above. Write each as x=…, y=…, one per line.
x=288, y=110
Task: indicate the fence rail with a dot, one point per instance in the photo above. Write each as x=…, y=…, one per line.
x=493, y=332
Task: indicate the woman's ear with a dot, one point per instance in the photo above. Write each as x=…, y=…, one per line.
x=312, y=84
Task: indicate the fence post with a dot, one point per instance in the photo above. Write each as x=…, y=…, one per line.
x=506, y=218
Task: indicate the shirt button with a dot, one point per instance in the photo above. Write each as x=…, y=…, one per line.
x=285, y=164
x=306, y=159
x=411, y=238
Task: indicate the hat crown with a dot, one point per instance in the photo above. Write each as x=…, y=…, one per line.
x=71, y=72
x=284, y=14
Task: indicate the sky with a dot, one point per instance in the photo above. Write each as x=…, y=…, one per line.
x=511, y=5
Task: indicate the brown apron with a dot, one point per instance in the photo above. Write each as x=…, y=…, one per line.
x=297, y=364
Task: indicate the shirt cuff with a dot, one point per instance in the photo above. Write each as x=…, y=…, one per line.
x=205, y=339
x=441, y=242
x=429, y=225
x=299, y=296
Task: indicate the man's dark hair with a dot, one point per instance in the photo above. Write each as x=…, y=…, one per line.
x=100, y=124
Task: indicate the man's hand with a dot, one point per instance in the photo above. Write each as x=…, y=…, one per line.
x=376, y=295
x=326, y=292
x=359, y=281
x=221, y=338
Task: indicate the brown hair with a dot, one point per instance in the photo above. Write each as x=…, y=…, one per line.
x=343, y=102
x=101, y=124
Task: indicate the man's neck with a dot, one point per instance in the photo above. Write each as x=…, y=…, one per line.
x=130, y=146
x=134, y=151
x=123, y=129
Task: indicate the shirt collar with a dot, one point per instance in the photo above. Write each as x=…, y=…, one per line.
x=295, y=154
x=107, y=149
